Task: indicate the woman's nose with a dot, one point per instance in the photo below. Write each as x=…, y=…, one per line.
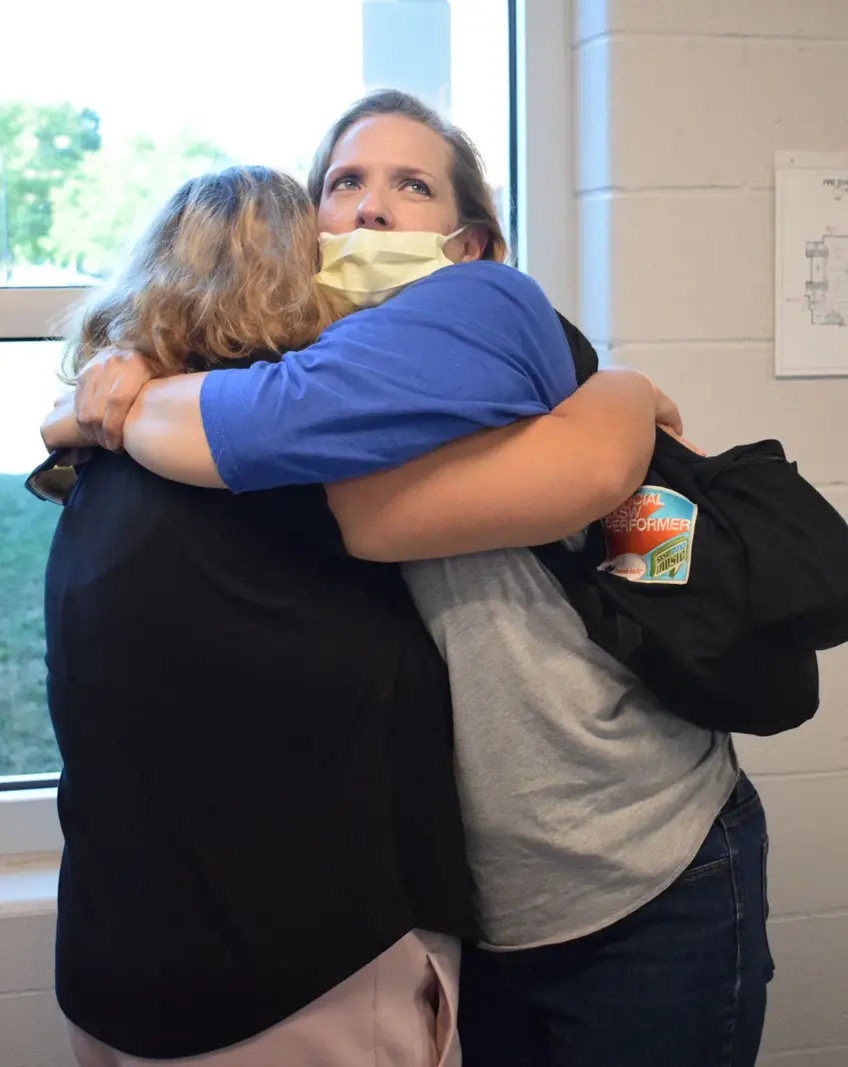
x=372, y=214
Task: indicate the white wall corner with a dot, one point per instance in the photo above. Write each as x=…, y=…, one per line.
x=545, y=178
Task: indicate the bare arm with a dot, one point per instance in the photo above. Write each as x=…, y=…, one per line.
x=526, y=484
x=164, y=432
x=158, y=422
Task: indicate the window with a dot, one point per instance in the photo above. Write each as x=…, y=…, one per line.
x=104, y=125
x=89, y=148
x=27, y=389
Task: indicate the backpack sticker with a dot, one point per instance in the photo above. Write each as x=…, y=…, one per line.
x=649, y=538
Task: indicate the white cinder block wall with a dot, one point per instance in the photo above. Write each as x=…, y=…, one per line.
x=32, y=1033
x=681, y=105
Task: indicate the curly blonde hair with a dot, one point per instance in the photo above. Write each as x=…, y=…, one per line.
x=226, y=267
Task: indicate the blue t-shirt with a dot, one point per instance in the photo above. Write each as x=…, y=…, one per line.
x=471, y=346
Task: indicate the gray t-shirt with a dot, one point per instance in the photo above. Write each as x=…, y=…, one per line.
x=582, y=797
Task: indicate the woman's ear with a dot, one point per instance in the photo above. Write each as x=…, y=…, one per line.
x=468, y=245
x=472, y=243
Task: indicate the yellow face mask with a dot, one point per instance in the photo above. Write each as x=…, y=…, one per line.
x=369, y=266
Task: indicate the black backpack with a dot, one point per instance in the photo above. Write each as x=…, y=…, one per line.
x=716, y=583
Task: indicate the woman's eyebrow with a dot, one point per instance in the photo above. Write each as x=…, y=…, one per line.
x=342, y=168
x=397, y=170
x=400, y=169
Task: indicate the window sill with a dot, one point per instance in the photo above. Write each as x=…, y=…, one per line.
x=28, y=884
x=29, y=822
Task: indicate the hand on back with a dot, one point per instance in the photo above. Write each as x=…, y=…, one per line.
x=107, y=388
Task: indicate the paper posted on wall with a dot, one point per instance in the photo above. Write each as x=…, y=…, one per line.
x=811, y=246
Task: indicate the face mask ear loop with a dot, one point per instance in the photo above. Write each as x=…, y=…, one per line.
x=456, y=233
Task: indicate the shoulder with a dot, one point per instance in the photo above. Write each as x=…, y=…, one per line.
x=486, y=325
x=473, y=300
x=493, y=284
x=156, y=514
x=491, y=296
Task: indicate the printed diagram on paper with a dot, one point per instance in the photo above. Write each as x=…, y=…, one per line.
x=827, y=289
x=811, y=328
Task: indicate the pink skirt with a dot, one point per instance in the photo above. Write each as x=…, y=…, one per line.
x=398, y=1011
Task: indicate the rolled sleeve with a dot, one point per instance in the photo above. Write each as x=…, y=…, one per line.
x=387, y=385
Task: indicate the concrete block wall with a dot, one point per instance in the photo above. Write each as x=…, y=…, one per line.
x=32, y=1031
x=680, y=106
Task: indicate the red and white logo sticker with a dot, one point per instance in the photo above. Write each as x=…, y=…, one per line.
x=649, y=538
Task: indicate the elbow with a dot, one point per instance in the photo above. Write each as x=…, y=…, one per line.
x=366, y=530
x=365, y=536
x=625, y=474
x=361, y=542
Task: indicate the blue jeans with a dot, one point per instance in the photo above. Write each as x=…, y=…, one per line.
x=679, y=983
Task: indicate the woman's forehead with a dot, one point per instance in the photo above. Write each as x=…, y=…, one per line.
x=393, y=140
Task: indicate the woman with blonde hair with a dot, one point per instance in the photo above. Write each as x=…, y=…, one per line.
x=263, y=851
x=225, y=268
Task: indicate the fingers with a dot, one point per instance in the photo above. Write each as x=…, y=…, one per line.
x=108, y=388
x=672, y=417
x=691, y=447
x=92, y=396
x=118, y=401
x=61, y=430
x=668, y=413
x=683, y=441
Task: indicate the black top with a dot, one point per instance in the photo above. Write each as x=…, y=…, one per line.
x=257, y=795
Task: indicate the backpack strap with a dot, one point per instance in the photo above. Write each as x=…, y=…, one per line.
x=584, y=355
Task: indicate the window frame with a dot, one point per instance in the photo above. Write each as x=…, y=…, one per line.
x=543, y=237
x=29, y=821
x=542, y=126
x=35, y=314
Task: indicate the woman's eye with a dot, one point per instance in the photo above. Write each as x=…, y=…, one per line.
x=415, y=185
x=345, y=182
